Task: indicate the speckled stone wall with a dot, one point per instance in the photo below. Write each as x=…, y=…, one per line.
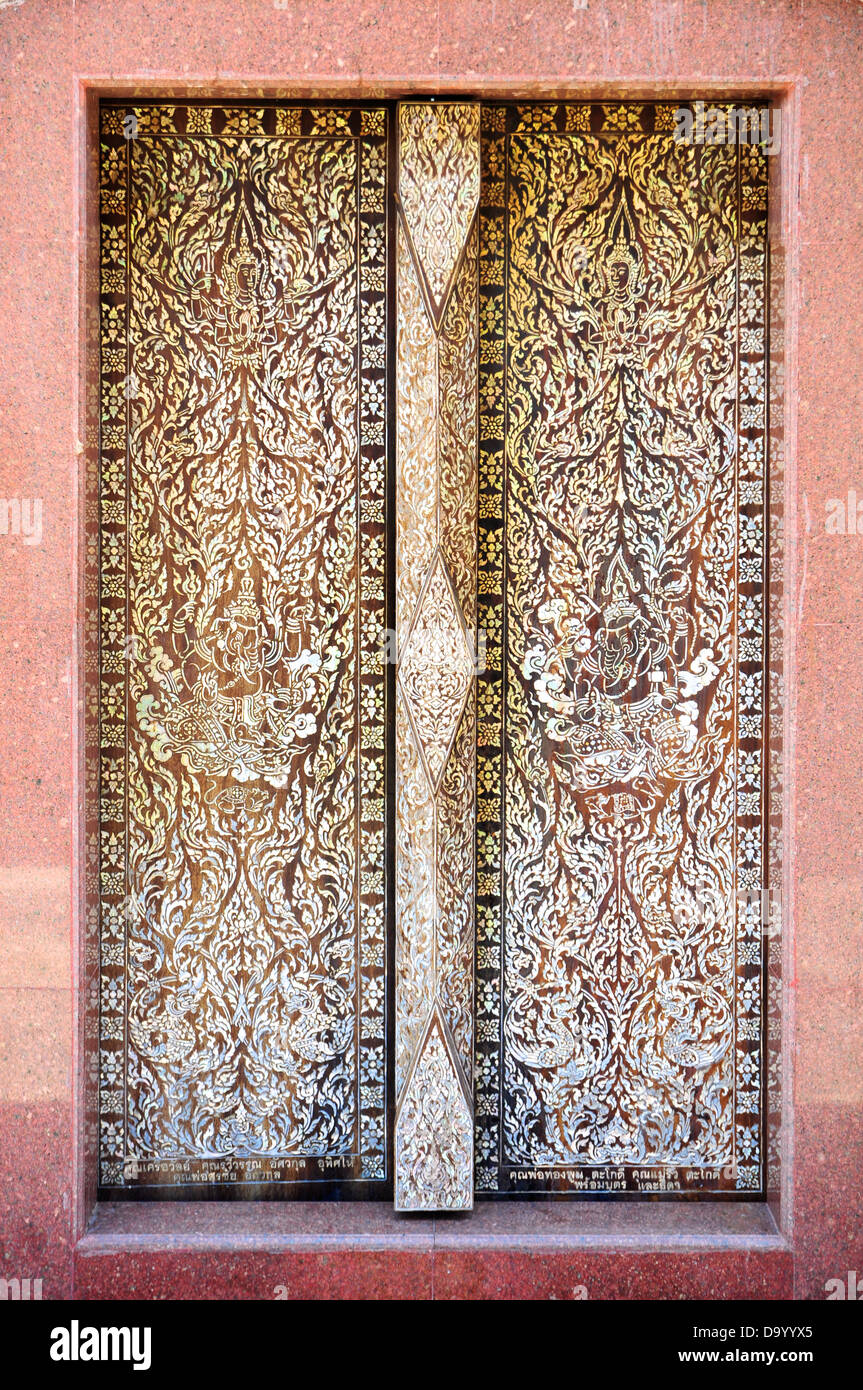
x=55, y=59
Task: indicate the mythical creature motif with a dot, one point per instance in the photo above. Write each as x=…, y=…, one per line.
x=615, y=515
x=242, y=603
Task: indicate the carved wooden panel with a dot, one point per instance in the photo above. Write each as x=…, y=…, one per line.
x=436, y=415
x=241, y=559
x=621, y=722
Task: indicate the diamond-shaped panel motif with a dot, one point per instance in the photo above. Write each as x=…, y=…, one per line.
x=434, y=1133
x=436, y=670
x=439, y=187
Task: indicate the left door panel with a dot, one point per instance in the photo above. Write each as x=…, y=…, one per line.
x=241, y=549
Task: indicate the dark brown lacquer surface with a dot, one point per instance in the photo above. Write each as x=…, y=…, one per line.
x=620, y=943
x=242, y=691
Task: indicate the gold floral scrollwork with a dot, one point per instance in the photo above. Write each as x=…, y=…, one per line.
x=242, y=697
x=619, y=935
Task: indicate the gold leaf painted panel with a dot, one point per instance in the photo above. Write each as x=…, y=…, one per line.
x=242, y=700
x=620, y=866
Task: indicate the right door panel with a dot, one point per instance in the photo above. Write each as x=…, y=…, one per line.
x=620, y=854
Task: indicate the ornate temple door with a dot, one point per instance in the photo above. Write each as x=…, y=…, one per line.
x=428, y=652
x=620, y=956
x=242, y=576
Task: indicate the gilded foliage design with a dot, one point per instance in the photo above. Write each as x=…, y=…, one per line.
x=621, y=585
x=242, y=705
x=434, y=1133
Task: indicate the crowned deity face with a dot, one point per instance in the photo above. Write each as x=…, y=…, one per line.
x=619, y=274
x=622, y=272
x=246, y=280
x=241, y=273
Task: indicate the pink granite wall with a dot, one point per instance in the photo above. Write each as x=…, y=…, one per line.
x=55, y=56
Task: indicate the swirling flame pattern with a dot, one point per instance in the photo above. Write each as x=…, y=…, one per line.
x=620, y=848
